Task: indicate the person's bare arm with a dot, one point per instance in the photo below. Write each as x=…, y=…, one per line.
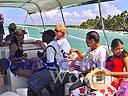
x=12, y=50
x=125, y=61
x=40, y=43
x=116, y=74
x=120, y=74
x=77, y=51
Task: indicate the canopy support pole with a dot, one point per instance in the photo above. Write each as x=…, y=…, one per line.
x=40, y=15
x=42, y=20
x=33, y=22
x=26, y=28
x=102, y=22
x=25, y=18
x=62, y=15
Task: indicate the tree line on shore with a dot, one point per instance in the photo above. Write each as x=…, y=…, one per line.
x=116, y=23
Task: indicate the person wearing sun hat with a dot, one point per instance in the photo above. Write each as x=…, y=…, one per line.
x=19, y=32
x=16, y=42
x=16, y=52
x=11, y=29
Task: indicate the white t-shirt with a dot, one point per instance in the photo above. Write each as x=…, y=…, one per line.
x=50, y=52
x=62, y=46
x=96, y=57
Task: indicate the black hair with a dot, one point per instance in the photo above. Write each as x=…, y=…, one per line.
x=93, y=35
x=11, y=30
x=48, y=36
x=115, y=43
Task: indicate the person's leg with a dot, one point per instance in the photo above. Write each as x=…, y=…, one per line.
x=30, y=92
x=50, y=90
x=38, y=81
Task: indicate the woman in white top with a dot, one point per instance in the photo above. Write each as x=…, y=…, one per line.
x=63, y=45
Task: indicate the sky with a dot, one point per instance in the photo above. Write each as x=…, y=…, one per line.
x=73, y=16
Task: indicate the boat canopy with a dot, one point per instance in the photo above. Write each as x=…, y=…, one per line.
x=33, y=6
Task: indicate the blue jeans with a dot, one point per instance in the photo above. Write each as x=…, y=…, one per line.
x=40, y=80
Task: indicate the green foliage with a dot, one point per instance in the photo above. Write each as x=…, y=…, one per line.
x=116, y=22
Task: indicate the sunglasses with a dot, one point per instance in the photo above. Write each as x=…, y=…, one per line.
x=57, y=30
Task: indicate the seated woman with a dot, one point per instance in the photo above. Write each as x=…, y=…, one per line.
x=120, y=83
x=119, y=60
x=117, y=64
x=16, y=53
x=15, y=46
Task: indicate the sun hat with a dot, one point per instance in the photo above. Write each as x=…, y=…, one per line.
x=12, y=26
x=20, y=32
x=97, y=80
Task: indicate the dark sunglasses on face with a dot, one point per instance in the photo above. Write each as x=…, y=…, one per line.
x=57, y=30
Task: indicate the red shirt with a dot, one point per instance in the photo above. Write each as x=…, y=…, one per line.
x=115, y=64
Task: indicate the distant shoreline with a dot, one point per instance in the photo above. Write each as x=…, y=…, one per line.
x=99, y=30
x=108, y=31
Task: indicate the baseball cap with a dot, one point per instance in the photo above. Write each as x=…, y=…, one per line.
x=12, y=26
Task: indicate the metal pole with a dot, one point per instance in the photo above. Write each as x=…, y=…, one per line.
x=102, y=22
x=33, y=22
x=40, y=14
x=62, y=16
x=61, y=13
x=26, y=18
x=42, y=20
x=25, y=27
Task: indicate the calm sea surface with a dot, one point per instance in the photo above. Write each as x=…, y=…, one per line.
x=76, y=37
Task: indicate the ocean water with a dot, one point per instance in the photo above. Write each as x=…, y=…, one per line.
x=76, y=37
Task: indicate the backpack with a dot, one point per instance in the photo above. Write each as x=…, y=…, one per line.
x=43, y=56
